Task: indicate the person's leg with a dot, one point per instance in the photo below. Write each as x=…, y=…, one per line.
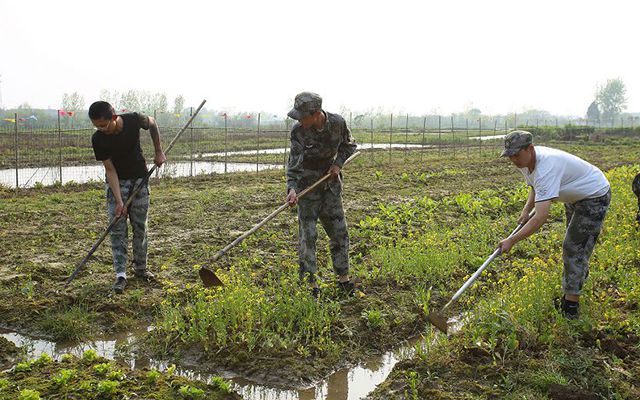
x=138, y=215
x=582, y=233
x=118, y=235
x=308, y=210
x=334, y=223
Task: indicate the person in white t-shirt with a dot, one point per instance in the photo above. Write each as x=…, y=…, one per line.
x=555, y=175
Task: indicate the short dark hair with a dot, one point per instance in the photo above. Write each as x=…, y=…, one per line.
x=101, y=110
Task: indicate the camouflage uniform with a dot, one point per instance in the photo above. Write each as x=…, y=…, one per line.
x=584, y=222
x=635, y=186
x=313, y=151
x=137, y=213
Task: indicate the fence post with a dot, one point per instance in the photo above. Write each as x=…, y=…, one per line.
x=390, y=136
x=191, y=146
x=439, y=135
x=371, y=120
x=225, y=143
x=258, y=145
x=59, y=148
x=424, y=129
x=406, y=137
x=15, y=125
x=480, y=132
x=468, y=143
x=453, y=138
x=286, y=142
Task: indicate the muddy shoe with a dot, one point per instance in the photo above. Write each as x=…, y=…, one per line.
x=144, y=274
x=120, y=284
x=569, y=309
x=348, y=288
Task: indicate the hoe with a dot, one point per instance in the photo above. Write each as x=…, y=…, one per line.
x=441, y=322
x=209, y=278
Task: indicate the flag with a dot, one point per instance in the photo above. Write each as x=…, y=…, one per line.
x=21, y=119
x=177, y=115
x=70, y=113
x=33, y=117
x=248, y=117
x=62, y=112
x=9, y=120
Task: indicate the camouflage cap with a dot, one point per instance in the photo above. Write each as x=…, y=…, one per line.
x=306, y=103
x=515, y=141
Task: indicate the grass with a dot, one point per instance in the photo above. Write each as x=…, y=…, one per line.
x=419, y=225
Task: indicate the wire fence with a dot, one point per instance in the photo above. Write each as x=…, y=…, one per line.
x=33, y=155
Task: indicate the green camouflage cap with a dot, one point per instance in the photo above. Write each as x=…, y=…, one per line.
x=306, y=103
x=515, y=141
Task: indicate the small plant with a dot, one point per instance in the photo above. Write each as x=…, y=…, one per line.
x=378, y=174
x=152, y=376
x=90, y=355
x=28, y=394
x=190, y=392
x=63, y=377
x=101, y=369
x=44, y=359
x=22, y=367
x=66, y=357
x=116, y=375
x=108, y=388
x=374, y=318
x=4, y=384
x=221, y=384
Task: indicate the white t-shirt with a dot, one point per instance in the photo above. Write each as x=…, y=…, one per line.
x=565, y=177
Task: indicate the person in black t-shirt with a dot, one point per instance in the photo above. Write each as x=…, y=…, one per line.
x=116, y=143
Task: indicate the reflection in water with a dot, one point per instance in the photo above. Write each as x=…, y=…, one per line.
x=345, y=384
x=28, y=177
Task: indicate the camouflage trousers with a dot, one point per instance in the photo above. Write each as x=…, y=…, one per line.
x=137, y=214
x=584, y=223
x=325, y=205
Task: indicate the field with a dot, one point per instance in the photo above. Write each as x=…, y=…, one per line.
x=420, y=223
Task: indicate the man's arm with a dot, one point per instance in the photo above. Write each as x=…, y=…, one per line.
x=541, y=216
x=346, y=148
x=114, y=184
x=528, y=206
x=154, y=132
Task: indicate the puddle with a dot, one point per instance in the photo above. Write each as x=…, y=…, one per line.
x=345, y=384
x=490, y=137
x=28, y=177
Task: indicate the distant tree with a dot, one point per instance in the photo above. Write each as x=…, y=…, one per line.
x=130, y=101
x=178, y=104
x=593, y=112
x=72, y=102
x=112, y=98
x=612, y=98
x=159, y=101
x=25, y=106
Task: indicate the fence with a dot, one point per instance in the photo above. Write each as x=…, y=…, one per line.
x=34, y=155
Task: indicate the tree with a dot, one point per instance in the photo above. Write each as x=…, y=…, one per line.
x=178, y=104
x=72, y=102
x=111, y=98
x=130, y=101
x=593, y=112
x=612, y=98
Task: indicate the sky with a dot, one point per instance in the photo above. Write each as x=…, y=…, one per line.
x=405, y=56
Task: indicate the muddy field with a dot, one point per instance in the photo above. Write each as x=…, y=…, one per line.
x=417, y=230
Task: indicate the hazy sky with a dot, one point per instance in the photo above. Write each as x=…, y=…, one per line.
x=408, y=56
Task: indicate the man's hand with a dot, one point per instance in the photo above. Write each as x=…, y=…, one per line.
x=505, y=245
x=334, y=170
x=121, y=209
x=292, y=197
x=523, y=218
x=160, y=158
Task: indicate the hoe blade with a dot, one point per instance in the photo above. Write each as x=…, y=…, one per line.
x=209, y=278
x=438, y=321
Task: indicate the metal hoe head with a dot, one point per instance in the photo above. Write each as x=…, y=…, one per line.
x=438, y=321
x=209, y=278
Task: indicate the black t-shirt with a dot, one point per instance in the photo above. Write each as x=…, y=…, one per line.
x=123, y=148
